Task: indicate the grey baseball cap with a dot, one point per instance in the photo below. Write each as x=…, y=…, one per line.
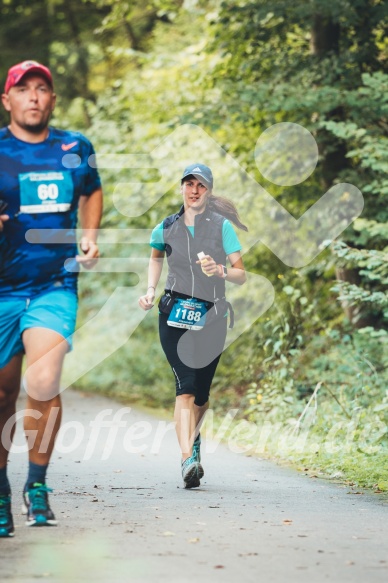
x=200, y=171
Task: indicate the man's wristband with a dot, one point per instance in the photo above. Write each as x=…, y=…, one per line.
x=153, y=287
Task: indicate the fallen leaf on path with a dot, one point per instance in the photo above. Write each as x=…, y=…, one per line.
x=130, y=488
x=193, y=540
x=168, y=533
x=337, y=475
x=219, y=567
x=287, y=522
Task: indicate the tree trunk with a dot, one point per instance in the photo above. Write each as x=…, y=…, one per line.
x=83, y=66
x=325, y=36
x=325, y=41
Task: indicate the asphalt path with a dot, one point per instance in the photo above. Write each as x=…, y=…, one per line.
x=124, y=515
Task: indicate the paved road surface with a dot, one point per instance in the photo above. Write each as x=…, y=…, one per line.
x=128, y=519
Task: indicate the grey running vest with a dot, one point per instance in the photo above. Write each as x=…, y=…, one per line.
x=185, y=276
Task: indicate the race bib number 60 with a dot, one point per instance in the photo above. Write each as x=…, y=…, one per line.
x=46, y=192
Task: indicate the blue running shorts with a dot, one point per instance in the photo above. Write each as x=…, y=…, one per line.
x=55, y=310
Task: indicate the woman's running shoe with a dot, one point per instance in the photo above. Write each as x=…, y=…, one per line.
x=36, y=506
x=192, y=472
x=197, y=448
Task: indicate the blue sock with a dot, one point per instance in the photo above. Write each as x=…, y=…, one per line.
x=36, y=474
x=5, y=488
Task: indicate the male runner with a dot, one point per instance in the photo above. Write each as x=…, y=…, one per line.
x=45, y=181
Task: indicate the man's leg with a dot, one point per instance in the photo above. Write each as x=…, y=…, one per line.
x=45, y=352
x=9, y=390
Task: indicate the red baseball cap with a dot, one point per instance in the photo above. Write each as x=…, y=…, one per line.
x=17, y=72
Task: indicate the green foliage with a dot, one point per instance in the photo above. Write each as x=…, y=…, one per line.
x=365, y=134
x=128, y=73
x=372, y=267
x=258, y=70
x=323, y=65
x=275, y=391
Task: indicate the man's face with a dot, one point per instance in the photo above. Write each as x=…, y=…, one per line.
x=30, y=103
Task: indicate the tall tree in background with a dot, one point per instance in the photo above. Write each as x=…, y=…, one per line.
x=55, y=32
x=319, y=64
x=87, y=43
x=309, y=63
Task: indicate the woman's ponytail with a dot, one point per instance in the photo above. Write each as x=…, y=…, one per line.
x=227, y=209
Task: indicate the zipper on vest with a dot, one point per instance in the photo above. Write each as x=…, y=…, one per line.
x=191, y=267
x=215, y=300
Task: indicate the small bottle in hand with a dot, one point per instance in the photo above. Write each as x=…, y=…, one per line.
x=201, y=256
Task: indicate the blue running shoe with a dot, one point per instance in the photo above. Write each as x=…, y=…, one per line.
x=6, y=521
x=197, y=448
x=36, y=506
x=192, y=472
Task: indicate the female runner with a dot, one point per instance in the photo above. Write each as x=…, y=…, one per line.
x=192, y=311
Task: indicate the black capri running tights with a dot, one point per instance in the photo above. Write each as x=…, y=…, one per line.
x=193, y=356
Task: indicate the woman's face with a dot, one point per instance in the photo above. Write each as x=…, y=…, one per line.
x=195, y=194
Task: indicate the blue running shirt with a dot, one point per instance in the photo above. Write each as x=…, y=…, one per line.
x=42, y=184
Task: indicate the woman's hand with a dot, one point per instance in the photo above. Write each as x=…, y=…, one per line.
x=208, y=265
x=146, y=302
